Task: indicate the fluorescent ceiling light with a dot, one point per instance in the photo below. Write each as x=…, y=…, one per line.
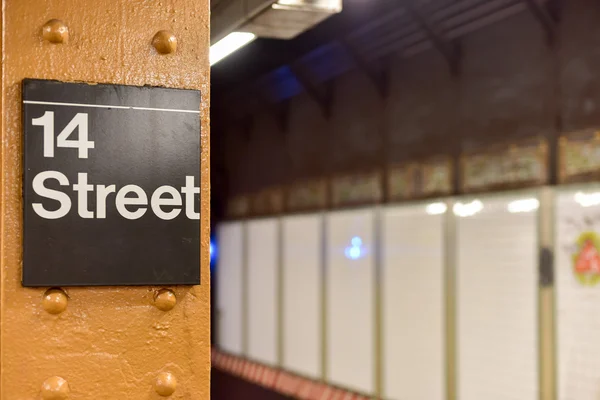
x=229, y=44
x=310, y=6
x=436, y=208
x=467, y=209
x=523, y=205
x=287, y=3
x=587, y=199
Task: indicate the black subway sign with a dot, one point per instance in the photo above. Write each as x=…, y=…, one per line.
x=111, y=186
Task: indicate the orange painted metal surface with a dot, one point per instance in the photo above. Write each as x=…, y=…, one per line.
x=105, y=343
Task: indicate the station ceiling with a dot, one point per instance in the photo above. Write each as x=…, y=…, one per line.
x=364, y=35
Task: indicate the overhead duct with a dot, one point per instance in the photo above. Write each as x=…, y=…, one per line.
x=280, y=19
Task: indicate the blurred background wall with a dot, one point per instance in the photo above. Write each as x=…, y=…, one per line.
x=422, y=227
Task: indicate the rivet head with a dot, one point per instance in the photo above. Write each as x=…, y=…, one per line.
x=55, y=301
x=165, y=384
x=164, y=42
x=55, y=388
x=55, y=31
x=165, y=300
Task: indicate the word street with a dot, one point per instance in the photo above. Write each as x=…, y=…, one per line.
x=163, y=196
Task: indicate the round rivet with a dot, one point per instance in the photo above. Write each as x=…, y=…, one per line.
x=55, y=301
x=55, y=388
x=165, y=384
x=164, y=42
x=165, y=300
x=55, y=31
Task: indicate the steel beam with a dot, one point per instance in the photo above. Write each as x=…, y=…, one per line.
x=541, y=13
x=322, y=97
x=378, y=77
x=449, y=50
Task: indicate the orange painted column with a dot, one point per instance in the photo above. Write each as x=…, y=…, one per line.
x=121, y=343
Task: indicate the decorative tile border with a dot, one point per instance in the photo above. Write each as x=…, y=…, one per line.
x=308, y=195
x=280, y=381
x=356, y=189
x=238, y=207
x=420, y=179
x=401, y=181
x=267, y=202
x=579, y=156
x=511, y=167
x=437, y=177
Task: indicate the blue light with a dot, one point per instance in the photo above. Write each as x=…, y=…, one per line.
x=213, y=252
x=355, y=250
x=356, y=241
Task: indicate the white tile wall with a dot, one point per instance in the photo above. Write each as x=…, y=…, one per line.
x=229, y=281
x=497, y=304
x=350, y=301
x=262, y=289
x=302, y=277
x=413, y=303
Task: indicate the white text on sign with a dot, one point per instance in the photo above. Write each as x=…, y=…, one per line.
x=126, y=198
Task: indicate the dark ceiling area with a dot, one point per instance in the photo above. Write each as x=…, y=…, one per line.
x=265, y=55
x=363, y=35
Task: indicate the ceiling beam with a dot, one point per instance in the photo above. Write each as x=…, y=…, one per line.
x=544, y=17
x=321, y=95
x=379, y=77
x=450, y=50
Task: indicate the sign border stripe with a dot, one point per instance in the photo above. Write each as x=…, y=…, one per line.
x=54, y=103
